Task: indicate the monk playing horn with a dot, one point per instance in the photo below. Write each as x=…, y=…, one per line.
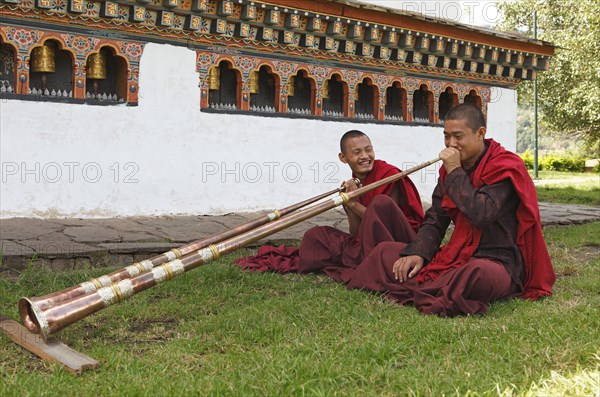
x=497, y=249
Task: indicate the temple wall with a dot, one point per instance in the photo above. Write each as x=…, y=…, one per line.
x=165, y=156
x=502, y=117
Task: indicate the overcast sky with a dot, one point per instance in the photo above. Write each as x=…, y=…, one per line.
x=472, y=12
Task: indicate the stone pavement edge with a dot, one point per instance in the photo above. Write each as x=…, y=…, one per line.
x=67, y=244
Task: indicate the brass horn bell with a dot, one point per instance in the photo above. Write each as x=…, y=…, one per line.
x=42, y=59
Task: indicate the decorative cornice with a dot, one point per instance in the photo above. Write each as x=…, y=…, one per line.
x=296, y=32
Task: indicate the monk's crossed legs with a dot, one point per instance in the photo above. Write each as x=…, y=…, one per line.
x=465, y=290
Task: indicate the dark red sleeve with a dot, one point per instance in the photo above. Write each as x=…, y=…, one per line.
x=483, y=205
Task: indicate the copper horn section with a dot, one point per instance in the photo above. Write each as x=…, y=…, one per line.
x=42, y=303
x=55, y=318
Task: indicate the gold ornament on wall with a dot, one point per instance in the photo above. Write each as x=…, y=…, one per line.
x=254, y=82
x=325, y=90
x=290, y=86
x=42, y=59
x=214, y=78
x=96, y=66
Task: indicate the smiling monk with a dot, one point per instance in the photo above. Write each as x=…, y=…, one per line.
x=391, y=212
x=497, y=249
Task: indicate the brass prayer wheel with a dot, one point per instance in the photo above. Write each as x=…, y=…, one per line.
x=290, y=86
x=325, y=90
x=42, y=59
x=254, y=82
x=95, y=67
x=214, y=78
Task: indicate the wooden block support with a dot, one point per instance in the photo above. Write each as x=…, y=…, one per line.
x=51, y=350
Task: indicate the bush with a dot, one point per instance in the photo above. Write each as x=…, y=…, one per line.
x=528, y=159
x=562, y=162
x=555, y=162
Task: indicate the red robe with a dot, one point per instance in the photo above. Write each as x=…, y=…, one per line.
x=285, y=259
x=497, y=165
x=411, y=204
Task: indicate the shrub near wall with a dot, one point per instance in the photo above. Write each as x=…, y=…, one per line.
x=555, y=162
x=527, y=157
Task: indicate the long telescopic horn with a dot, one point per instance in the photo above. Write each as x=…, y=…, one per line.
x=47, y=301
x=55, y=318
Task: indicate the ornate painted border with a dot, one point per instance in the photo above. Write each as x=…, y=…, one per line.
x=80, y=46
x=283, y=70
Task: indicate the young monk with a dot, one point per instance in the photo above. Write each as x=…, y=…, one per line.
x=497, y=249
x=391, y=212
x=333, y=251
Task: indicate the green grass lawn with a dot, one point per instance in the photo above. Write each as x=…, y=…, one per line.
x=568, y=187
x=221, y=331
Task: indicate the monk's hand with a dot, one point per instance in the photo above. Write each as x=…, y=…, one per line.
x=407, y=267
x=351, y=184
x=451, y=159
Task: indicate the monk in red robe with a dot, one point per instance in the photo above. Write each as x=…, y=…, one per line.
x=497, y=249
x=391, y=212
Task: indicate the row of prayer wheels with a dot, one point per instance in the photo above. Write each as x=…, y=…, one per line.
x=43, y=61
x=214, y=80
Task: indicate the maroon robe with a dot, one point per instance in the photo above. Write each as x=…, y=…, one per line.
x=332, y=251
x=337, y=253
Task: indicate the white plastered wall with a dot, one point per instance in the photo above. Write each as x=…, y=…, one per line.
x=502, y=117
x=166, y=157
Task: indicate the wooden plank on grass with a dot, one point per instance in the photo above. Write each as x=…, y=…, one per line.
x=51, y=350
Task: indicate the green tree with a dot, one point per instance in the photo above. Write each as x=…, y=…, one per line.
x=524, y=129
x=569, y=92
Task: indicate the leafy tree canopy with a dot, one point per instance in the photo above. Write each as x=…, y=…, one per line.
x=568, y=93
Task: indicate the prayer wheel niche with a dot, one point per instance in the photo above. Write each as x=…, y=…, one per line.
x=106, y=76
x=51, y=71
x=224, y=87
x=264, y=98
x=96, y=69
x=7, y=69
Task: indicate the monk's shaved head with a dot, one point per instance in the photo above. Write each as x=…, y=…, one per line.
x=348, y=135
x=470, y=113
